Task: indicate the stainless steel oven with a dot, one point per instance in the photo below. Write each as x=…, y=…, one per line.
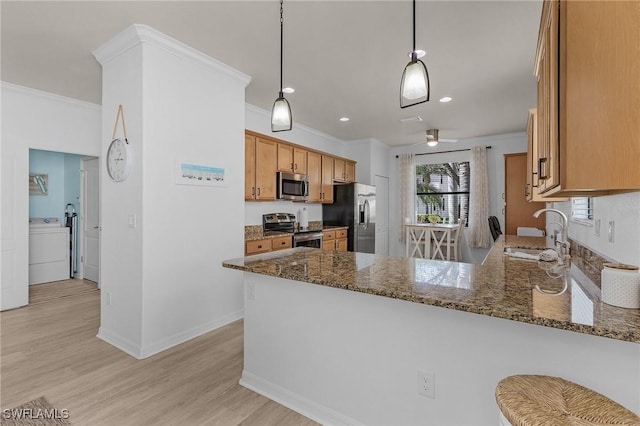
x=308, y=239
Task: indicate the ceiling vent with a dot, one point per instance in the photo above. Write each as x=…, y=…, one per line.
x=415, y=119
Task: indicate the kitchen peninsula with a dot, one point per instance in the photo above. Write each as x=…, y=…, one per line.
x=341, y=337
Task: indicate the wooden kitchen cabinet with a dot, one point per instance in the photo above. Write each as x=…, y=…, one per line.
x=292, y=159
x=314, y=171
x=335, y=240
x=344, y=170
x=588, y=129
x=531, y=191
x=327, y=180
x=265, y=156
x=266, y=245
x=320, y=172
x=257, y=246
x=259, y=168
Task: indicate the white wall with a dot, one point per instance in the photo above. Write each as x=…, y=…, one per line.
x=500, y=145
x=164, y=276
x=373, y=159
x=343, y=357
x=624, y=209
x=259, y=120
x=39, y=120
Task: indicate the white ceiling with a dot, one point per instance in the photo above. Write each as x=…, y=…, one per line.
x=344, y=58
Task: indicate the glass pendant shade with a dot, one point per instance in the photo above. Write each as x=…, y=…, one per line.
x=432, y=143
x=415, y=87
x=281, y=115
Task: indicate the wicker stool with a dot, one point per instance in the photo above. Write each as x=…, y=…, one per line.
x=552, y=401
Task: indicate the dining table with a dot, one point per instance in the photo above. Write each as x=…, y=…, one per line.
x=420, y=236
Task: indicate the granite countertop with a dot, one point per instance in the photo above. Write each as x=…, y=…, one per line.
x=501, y=287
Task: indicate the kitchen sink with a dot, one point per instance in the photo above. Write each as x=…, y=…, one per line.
x=530, y=254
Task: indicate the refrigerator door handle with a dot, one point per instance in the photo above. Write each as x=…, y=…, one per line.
x=366, y=214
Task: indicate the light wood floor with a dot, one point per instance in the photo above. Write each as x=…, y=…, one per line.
x=50, y=348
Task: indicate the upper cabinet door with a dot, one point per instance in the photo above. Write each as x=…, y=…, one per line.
x=327, y=179
x=292, y=159
x=299, y=161
x=266, y=153
x=314, y=168
x=249, y=167
x=338, y=169
x=588, y=102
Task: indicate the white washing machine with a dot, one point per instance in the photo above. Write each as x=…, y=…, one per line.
x=48, y=250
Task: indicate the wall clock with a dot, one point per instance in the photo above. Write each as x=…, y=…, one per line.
x=119, y=160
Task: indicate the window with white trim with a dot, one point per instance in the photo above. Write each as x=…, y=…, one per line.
x=442, y=192
x=582, y=210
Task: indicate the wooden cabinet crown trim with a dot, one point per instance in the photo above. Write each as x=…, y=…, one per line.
x=281, y=141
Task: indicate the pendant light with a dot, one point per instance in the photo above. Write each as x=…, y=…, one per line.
x=281, y=112
x=415, y=87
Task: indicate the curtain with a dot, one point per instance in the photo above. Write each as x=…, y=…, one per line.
x=479, y=235
x=407, y=191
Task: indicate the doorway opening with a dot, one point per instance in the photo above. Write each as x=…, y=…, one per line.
x=63, y=203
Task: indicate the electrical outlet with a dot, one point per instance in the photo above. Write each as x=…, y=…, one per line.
x=427, y=384
x=596, y=228
x=251, y=290
x=612, y=230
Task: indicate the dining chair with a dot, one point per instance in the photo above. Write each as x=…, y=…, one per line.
x=453, y=243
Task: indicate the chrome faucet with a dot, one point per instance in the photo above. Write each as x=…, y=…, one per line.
x=561, y=241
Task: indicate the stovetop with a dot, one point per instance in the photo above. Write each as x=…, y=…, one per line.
x=282, y=222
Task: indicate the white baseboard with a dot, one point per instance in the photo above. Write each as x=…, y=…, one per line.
x=176, y=339
x=138, y=352
x=297, y=403
x=120, y=342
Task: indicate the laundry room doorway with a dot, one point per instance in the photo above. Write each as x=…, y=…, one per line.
x=91, y=219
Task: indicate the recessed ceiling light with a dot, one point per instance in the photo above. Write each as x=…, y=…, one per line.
x=288, y=90
x=344, y=118
x=419, y=52
x=446, y=99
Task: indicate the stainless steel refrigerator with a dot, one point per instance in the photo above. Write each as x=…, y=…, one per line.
x=354, y=205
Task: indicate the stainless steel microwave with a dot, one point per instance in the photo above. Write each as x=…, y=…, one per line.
x=291, y=186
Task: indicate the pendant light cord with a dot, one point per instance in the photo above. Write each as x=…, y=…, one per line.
x=414, y=28
x=282, y=44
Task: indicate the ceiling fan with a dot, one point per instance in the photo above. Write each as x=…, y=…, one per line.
x=433, y=139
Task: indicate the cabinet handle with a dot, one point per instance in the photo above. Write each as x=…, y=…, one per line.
x=541, y=176
x=295, y=166
x=259, y=247
x=526, y=190
x=258, y=192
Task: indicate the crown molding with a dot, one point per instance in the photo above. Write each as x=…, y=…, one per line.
x=137, y=34
x=48, y=95
x=296, y=125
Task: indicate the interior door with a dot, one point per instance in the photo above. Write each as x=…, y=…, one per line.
x=91, y=219
x=517, y=210
x=382, y=214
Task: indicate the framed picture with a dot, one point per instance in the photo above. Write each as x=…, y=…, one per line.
x=38, y=184
x=187, y=173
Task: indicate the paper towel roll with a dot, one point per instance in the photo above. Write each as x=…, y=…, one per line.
x=621, y=285
x=304, y=219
